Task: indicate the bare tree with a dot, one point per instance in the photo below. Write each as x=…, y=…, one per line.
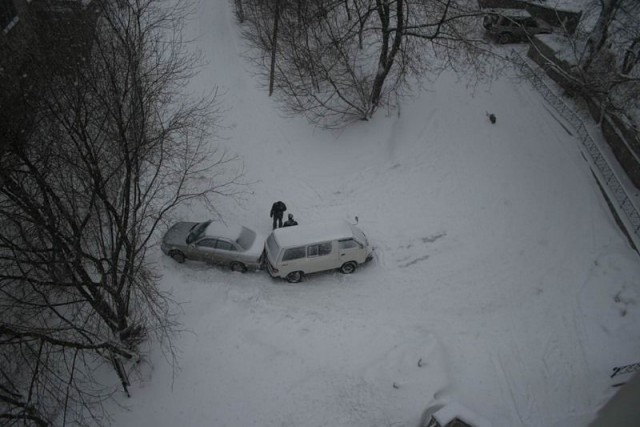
x=606, y=55
x=239, y=10
x=341, y=60
x=599, y=34
x=104, y=146
x=274, y=46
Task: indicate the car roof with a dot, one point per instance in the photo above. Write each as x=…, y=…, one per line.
x=300, y=235
x=509, y=13
x=225, y=230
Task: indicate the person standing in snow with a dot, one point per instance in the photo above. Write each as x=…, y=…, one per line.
x=290, y=222
x=277, y=211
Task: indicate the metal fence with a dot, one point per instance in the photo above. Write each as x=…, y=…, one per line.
x=620, y=200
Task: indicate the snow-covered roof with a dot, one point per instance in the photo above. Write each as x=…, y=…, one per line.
x=224, y=230
x=514, y=13
x=300, y=235
x=574, y=5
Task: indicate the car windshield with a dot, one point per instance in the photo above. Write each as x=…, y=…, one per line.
x=359, y=236
x=246, y=238
x=196, y=231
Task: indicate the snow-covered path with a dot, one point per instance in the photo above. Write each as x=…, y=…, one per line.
x=501, y=281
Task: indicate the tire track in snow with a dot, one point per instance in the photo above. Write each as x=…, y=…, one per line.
x=555, y=369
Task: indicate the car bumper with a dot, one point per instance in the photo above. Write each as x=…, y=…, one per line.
x=370, y=256
x=273, y=272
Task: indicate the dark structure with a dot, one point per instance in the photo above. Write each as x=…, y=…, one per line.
x=567, y=19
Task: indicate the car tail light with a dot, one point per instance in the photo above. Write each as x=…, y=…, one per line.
x=272, y=268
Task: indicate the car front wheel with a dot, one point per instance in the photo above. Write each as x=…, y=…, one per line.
x=348, y=267
x=238, y=266
x=177, y=256
x=294, y=277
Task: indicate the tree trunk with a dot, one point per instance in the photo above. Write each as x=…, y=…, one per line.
x=274, y=45
x=387, y=54
x=631, y=56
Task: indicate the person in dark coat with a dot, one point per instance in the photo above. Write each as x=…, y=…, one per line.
x=277, y=211
x=289, y=222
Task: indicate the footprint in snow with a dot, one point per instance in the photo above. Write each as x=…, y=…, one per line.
x=422, y=241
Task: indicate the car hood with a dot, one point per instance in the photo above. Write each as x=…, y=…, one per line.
x=177, y=234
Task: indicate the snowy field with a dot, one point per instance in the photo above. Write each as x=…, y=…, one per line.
x=501, y=281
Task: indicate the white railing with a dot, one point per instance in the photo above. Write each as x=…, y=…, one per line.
x=624, y=206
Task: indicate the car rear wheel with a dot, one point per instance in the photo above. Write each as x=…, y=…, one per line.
x=294, y=277
x=348, y=267
x=238, y=266
x=177, y=256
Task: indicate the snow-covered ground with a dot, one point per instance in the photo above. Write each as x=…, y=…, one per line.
x=501, y=280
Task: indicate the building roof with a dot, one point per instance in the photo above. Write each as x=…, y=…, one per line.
x=512, y=13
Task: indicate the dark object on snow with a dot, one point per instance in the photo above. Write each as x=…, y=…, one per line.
x=492, y=118
x=277, y=211
x=290, y=222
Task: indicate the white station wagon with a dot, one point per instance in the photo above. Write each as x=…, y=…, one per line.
x=292, y=252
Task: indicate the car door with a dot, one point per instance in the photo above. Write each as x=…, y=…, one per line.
x=293, y=259
x=321, y=257
x=225, y=252
x=204, y=250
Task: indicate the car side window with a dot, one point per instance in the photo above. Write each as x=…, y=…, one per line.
x=319, y=250
x=312, y=251
x=207, y=243
x=294, y=253
x=347, y=244
x=224, y=245
x=324, y=248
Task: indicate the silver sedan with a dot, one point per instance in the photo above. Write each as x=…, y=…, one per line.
x=231, y=245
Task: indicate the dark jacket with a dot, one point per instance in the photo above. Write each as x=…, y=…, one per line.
x=278, y=209
x=290, y=222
